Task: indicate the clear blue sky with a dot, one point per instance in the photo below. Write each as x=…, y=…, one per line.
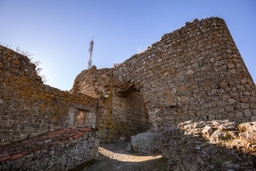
x=58, y=32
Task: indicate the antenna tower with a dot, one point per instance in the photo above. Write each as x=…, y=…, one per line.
x=90, y=52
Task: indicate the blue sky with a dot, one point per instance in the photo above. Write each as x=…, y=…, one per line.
x=58, y=32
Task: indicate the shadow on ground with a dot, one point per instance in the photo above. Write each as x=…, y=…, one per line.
x=114, y=157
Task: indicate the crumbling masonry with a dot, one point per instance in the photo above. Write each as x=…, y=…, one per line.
x=194, y=73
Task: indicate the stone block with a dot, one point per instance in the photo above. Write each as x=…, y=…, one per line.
x=244, y=100
x=239, y=114
x=247, y=93
x=146, y=142
x=253, y=105
x=254, y=112
x=247, y=112
x=243, y=81
x=231, y=101
x=244, y=105
x=223, y=84
x=229, y=108
x=225, y=96
x=216, y=136
x=246, y=126
x=249, y=136
x=253, y=118
x=231, y=66
x=253, y=99
x=234, y=95
x=207, y=131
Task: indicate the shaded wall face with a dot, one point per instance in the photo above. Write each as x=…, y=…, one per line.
x=195, y=72
x=131, y=114
x=117, y=116
x=27, y=106
x=121, y=117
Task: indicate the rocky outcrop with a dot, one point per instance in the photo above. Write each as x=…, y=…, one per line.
x=210, y=145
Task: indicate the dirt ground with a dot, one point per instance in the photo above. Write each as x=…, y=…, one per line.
x=114, y=157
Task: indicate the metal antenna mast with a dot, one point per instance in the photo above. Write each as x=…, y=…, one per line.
x=90, y=51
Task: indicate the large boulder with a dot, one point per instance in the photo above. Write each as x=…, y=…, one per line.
x=147, y=143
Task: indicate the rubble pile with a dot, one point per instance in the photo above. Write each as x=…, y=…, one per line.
x=210, y=145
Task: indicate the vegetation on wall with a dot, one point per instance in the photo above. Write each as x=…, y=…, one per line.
x=30, y=57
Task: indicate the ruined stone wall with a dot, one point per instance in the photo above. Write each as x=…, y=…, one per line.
x=119, y=115
x=93, y=82
x=195, y=72
x=60, y=150
x=27, y=106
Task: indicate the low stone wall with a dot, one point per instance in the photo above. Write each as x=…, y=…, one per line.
x=60, y=150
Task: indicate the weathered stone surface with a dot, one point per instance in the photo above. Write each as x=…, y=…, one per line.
x=247, y=126
x=146, y=142
x=249, y=136
x=216, y=136
x=253, y=118
x=226, y=149
x=60, y=150
x=207, y=132
x=129, y=147
x=194, y=73
x=120, y=112
x=27, y=106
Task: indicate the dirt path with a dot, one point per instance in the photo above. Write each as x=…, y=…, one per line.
x=114, y=157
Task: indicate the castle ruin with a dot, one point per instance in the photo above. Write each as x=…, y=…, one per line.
x=194, y=73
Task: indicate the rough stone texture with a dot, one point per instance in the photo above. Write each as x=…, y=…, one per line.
x=27, y=106
x=210, y=145
x=147, y=143
x=120, y=114
x=194, y=73
x=60, y=150
x=248, y=132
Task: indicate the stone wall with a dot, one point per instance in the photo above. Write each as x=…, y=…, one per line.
x=60, y=150
x=119, y=115
x=28, y=107
x=194, y=73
